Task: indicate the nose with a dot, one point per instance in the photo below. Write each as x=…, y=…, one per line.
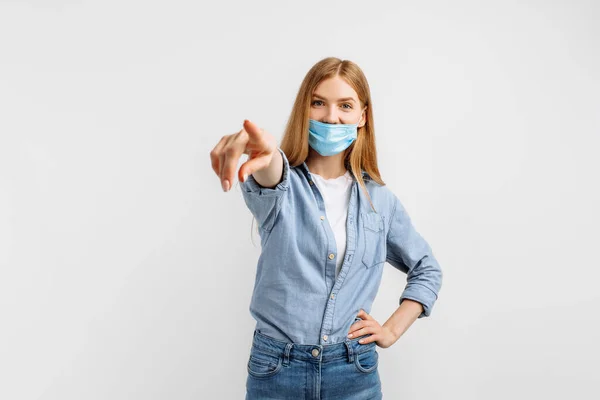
x=331, y=116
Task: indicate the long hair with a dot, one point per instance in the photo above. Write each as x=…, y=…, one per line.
x=361, y=155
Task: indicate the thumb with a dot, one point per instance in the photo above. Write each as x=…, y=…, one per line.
x=253, y=165
x=363, y=314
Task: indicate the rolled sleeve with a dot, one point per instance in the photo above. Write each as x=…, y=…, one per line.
x=409, y=252
x=265, y=203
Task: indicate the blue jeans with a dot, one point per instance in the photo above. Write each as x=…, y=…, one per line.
x=281, y=370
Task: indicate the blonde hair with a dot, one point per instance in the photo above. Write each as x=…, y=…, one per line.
x=361, y=155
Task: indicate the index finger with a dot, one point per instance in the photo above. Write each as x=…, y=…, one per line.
x=253, y=130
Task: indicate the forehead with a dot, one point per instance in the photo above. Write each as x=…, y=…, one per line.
x=335, y=88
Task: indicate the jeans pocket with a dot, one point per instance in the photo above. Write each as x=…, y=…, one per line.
x=263, y=365
x=367, y=361
x=374, y=239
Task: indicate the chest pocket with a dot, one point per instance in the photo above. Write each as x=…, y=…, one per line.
x=374, y=239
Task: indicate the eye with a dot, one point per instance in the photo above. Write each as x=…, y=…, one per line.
x=316, y=101
x=347, y=104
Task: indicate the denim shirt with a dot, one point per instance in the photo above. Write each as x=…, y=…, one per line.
x=296, y=296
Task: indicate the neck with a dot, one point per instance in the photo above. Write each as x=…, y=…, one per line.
x=328, y=167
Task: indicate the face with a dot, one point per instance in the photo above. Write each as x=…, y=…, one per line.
x=335, y=102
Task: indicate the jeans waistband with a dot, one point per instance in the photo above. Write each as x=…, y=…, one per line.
x=310, y=352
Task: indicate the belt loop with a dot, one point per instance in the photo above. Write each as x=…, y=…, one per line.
x=286, y=355
x=350, y=353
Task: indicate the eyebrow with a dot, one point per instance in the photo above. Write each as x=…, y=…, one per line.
x=342, y=99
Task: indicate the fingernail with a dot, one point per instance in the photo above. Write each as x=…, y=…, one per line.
x=349, y=335
x=225, y=185
x=245, y=177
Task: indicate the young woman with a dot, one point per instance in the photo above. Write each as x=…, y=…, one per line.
x=327, y=224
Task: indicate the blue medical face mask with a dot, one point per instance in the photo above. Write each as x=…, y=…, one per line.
x=331, y=139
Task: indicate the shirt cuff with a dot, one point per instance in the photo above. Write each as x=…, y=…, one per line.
x=422, y=294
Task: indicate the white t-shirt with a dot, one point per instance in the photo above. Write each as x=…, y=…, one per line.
x=336, y=195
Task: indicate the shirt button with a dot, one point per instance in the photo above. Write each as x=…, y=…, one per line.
x=315, y=352
x=331, y=256
x=322, y=218
x=311, y=182
x=324, y=337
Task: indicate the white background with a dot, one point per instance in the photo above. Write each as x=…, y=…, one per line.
x=126, y=272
